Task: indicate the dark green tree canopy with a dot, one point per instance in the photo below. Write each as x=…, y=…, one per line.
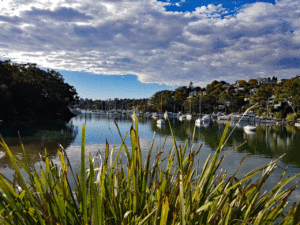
x=28, y=91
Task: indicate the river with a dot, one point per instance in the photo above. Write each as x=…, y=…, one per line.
x=265, y=144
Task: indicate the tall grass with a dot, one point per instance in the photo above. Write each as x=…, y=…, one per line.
x=107, y=192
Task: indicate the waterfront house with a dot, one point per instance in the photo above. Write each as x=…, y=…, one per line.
x=230, y=103
x=281, y=81
x=226, y=85
x=253, y=91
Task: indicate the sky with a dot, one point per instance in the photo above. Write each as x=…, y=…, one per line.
x=134, y=48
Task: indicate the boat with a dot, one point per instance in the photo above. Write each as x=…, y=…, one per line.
x=2, y=154
x=155, y=116
x=188, y=116
x=267, y=121
x=240, y=117
x=249, y=132
x=206, y=124
x=181, y=117
x=160, y=125
x=249, y=128
x=166, y=115
x=160, y=121
x=297, y=124
x=223, y=117
x=206, y=118
x=198, y=121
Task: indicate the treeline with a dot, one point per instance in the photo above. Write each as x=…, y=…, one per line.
x=276, y=99
x=27, y=92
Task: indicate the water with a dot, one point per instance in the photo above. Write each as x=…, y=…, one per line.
x=265, y=144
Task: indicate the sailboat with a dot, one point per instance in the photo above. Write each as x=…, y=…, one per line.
x=198, y=121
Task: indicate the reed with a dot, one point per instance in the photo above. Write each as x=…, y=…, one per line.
x=107, y=192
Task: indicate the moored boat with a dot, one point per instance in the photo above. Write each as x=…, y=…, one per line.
x=249, y=128
x=206, y=118
x=160, y=121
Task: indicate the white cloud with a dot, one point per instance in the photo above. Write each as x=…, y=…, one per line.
x=142, y=38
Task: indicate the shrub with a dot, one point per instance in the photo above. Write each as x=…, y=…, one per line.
x=292, y=117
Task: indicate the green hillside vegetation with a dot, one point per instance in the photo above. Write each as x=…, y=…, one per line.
x=27, y=92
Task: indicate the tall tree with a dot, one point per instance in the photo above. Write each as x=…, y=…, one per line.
x=290, y=91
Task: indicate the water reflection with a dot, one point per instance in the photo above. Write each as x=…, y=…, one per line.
x=36, y=136
x=267, y=141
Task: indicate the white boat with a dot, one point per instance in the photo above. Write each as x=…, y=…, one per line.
x=206, y=118
x=182, y=116
x=297, y=124
x=267, y=121
x=155, y=116
x=188, y=116
x=223, y=117
x=166, y=115
x=206, y=124
x=160, y=125
x=249, y=128
x=198, y=121
x=160, y=121
x=249, y=132
x=2, y=154
x=240, y=117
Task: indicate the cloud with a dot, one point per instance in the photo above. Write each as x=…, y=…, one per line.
x=140, y=37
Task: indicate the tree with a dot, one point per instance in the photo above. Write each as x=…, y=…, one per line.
x=290, y=91
x=252, y=82
x=33, y=92
x=262, y=94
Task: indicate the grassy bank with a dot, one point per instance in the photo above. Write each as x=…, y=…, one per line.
x=143, y=192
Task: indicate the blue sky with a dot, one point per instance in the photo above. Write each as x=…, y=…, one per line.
x=133, y=48
x=114, y=86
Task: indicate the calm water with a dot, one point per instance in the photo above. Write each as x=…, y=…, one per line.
x=265, y=144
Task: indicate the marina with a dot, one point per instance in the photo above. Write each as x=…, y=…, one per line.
x=264, y=142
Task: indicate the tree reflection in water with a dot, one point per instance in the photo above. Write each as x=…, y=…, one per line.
x=266, y=141
x=36, y=136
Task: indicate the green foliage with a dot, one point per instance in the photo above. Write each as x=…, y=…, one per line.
x=262, y=94
x=252, y=82
x=278, y=115
x=110, y=193
x=292, y=117
x=290, y=91
x=28, y=91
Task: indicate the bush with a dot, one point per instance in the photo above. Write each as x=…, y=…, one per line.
x=278, y=115
x=291, y=117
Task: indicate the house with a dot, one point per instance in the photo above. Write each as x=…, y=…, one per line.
x=239, y=89
x=281, y=81
x=221, y=107
x=193, y=93
x=149, y=104
x=230, y=103
x=253, y=91
x=226, y=85
x=240, y=83
x=268, y=81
